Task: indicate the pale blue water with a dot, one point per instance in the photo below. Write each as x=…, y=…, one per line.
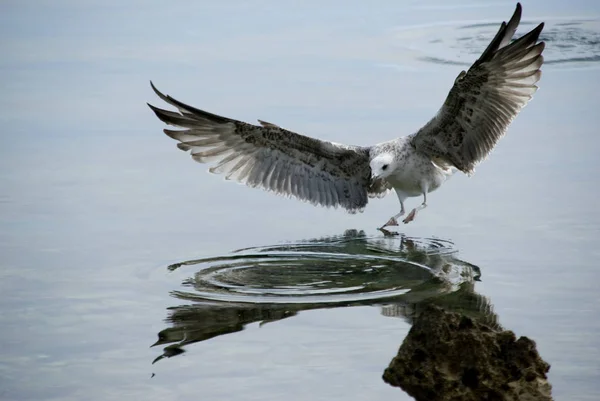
x=96, y=203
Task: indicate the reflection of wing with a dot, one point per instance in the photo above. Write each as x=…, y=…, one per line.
x=484, y=100
x=200, y=322
x=267, y=156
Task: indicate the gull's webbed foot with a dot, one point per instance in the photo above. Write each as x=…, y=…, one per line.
x=391, y=222
x=411, y=216
x=413, y=213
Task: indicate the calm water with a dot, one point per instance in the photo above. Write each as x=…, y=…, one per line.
x=112, y=240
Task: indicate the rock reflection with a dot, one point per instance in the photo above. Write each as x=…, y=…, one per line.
x=400, y=275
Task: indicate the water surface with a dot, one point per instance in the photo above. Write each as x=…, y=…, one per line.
x=112, y=240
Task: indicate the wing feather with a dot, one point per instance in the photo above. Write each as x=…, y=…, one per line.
x=484, y=101
x=270, y=157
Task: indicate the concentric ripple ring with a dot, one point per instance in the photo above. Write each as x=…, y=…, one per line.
x=344, y=269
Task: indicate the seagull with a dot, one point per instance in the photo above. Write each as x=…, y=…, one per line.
x=476, y=113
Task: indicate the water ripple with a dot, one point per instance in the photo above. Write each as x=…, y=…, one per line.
x=569, y=42
x=266, y=284
x=351, y=268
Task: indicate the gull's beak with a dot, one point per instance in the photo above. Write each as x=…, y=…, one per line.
x=374, y=176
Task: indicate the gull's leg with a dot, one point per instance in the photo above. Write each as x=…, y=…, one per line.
x=393, y=220
x=413, y=213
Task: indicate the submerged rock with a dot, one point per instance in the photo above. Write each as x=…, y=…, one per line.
x=449, y=356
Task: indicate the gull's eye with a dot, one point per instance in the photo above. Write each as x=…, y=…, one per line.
x=385, y=166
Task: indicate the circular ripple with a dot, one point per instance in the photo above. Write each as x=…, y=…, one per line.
x=569, y=43
x=345, y=269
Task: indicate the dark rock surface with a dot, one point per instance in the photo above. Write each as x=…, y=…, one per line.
x=449, y=356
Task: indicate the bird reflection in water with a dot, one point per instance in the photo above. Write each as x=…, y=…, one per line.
x=401, y=275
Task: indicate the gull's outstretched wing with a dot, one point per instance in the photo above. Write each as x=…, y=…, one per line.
x=484, y=100
x=268, y=156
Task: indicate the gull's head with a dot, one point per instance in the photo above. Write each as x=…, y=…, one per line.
x=382, y=165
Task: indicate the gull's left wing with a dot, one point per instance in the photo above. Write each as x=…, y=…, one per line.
x=483, y=101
